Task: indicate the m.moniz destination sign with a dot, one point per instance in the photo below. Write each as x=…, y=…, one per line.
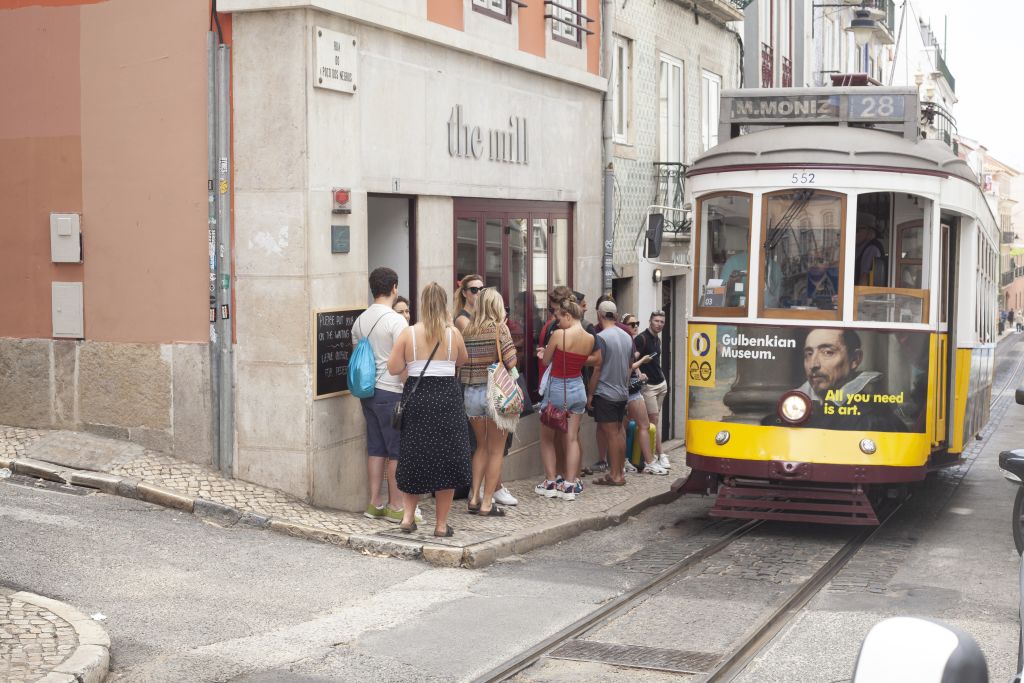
x=818, y=105
x=799, y=107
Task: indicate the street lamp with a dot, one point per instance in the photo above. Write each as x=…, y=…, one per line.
x=862, y=27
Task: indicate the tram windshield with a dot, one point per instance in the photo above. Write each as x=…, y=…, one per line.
x=889, y=257
x=724, y=248
x=803, y=248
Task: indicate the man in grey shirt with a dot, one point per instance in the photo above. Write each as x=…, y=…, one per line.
x=609, y=390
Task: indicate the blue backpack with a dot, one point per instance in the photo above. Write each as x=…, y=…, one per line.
x=362, y=367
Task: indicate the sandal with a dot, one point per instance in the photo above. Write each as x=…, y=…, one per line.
x=407, y=529
x=471, y=509
x=448, y=532
x=495, y=511
x=607, y=481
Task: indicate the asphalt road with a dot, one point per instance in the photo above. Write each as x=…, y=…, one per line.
x=187, y=601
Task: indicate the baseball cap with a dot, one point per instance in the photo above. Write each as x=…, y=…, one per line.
x=607, y=309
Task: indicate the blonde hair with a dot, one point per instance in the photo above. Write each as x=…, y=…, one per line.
x=460, y=292
x=569, y=305
x=434, y=311
x=488, y=312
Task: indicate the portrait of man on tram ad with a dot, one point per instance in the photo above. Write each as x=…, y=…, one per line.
x=854, y=380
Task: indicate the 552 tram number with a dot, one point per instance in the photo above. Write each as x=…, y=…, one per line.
x=804, y=178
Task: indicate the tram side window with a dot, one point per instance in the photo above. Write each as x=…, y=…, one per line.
x=803, y=247
x=890, y=275
x=724, y=254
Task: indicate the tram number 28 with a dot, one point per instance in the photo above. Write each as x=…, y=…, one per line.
x=804, y=178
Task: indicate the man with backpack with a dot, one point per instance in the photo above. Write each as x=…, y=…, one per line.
x=380, y=326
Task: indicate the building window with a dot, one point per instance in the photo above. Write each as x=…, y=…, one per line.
x=502, y=9
x=622, y=67
x=710, y=90
x=670, y=110
x=566, y=20
x=523, y=250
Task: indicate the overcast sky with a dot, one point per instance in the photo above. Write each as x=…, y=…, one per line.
x=985, y=53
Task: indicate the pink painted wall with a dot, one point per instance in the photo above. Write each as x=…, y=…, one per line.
x=105, y=114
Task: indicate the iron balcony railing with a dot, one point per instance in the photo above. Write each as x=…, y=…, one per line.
x=889, y=9
x=767, y=65
x=668, y=191
x=787, y=72
x=940, y=124
x=1006, y=279
x=940, y=64
x=1008, y=237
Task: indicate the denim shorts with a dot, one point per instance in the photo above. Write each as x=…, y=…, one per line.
x=475, y=398
x=382, y=440
x=635, y=397
x=574, y=394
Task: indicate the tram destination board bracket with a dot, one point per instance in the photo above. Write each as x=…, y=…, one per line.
x=896, y=110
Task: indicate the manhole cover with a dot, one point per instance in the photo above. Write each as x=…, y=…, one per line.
x=639, y=656
x=33, y=483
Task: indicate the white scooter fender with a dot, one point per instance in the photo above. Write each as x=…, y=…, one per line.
x=915, y=650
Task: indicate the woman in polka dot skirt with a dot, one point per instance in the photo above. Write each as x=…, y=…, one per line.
x=434, y=451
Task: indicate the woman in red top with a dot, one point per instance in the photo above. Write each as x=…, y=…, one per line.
x=565, y=355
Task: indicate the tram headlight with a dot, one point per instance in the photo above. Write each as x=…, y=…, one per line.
x=868, y=447
x=722, y=438
x=794, y=407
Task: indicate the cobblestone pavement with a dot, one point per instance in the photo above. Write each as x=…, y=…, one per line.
x=14, y=441
x=197, y=481
x=33, y=640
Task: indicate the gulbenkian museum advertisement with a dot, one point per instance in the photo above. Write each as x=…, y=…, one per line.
x=865, y=380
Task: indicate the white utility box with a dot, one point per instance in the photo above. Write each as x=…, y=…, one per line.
x=67, y=308
x=65, y=238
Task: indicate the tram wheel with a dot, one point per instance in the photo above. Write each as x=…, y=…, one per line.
x=1018, y=520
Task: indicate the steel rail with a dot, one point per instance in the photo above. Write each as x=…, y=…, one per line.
x=609, y=610
x=735, y=663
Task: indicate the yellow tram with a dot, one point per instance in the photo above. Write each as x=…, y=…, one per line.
x=840, y=342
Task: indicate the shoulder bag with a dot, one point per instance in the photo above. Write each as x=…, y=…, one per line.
x=396, y=416
x=504, y=397
x=552, y=416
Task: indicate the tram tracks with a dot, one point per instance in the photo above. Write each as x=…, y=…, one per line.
x=729, y=666
x=717, y=668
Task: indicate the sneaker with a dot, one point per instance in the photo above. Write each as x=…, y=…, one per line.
x=579, y=486
x=374, y=512
x=546, y=488
x=567, y=490
x=395, y=516
x=663, y=461
x=630, y=468
x=504, y=497
x=654, y=467
x=599, y=466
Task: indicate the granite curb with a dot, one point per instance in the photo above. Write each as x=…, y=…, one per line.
x=90, y=661
x=474, y=556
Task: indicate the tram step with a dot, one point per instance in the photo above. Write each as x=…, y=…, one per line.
x=790, y=503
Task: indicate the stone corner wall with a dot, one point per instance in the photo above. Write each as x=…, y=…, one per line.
x=156, y=395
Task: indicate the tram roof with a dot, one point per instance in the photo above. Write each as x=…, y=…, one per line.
x=832, y=146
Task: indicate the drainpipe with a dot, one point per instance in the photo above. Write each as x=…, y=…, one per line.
x=211, y=220
x=607, y=125
x=225, y=353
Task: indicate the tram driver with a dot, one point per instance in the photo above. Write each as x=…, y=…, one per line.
x=837, y=386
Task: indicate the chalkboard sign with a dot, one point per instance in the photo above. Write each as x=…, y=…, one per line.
x=332, y=345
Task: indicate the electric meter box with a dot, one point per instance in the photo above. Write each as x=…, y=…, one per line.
x=65, y=238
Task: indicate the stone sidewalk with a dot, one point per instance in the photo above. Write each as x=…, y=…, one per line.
x=46, y=641
x=118, y=468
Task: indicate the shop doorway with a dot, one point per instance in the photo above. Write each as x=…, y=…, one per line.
x=391, y=241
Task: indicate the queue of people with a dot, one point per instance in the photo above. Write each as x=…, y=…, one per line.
x=445, y=402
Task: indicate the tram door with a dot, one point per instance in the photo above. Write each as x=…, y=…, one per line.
x=947, y=329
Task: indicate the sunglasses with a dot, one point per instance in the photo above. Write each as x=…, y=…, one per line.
x=475, y=290
x=634, y=324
